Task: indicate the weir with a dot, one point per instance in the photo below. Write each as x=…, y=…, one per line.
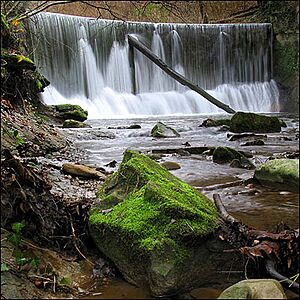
x=87, y=63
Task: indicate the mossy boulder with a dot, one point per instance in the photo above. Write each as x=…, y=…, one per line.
x=250, y=122
x=160, y=130
x=254, y=289
x=223, y=155
x=155, y=227
x=283, y=173
x=70, y=111
x=74, y=124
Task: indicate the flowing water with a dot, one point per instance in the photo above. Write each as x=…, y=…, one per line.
x=260, y=207
x=87, y=63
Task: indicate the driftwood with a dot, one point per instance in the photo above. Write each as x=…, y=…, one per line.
x=276, y=251
x=133, y=42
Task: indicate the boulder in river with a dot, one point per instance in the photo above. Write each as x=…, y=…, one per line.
x=156, y=228
x=254, y=289
x=74, y=124
x=251, y=122
x=223, y=155
x=283, y=173
x=70, y=111
x=160, y=130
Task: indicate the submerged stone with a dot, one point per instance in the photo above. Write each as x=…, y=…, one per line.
x=251, y=122
x=283, y=173
x=160, y=130
x=154, y=227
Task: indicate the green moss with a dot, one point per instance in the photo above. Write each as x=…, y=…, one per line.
x=157, y=209
x=251, y=122
x=282, y=171
x=225, y=155
x=70, y=111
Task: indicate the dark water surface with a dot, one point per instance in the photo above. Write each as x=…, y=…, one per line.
x=259, y=207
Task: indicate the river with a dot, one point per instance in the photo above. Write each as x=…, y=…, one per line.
x=257, y=206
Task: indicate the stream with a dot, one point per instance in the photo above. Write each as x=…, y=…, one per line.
x=256, y=206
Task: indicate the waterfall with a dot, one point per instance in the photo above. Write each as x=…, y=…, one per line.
x=86, y=61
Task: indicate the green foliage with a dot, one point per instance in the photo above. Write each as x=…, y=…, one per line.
x=65, y=281
x=15, y=135
x=15, y=238
x=278, y=12
x=4, y=267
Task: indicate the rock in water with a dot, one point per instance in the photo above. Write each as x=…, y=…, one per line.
x=283, y=173
x=160, y=130
x=158, y=228
x=254, y=289
x=250, y=122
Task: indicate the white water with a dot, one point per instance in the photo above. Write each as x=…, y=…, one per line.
x=86, y=61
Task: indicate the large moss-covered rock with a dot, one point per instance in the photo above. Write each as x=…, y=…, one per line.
x=154, y=227
x=254, y=289
x=70, y=111
x=160, y=130
x=250, y=122
x=283, y=173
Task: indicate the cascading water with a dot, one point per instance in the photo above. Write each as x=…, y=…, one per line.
x=86, y=61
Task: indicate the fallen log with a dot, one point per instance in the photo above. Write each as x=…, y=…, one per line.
x=133, y=42
x=272, y=249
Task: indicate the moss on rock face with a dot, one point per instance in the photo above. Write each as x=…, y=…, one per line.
x=146, y=213
x=250, y=122
x=70, y=111
x=281, y=172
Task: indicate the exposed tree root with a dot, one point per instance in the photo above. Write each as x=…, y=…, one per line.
x=278, y=253
x=51, y=221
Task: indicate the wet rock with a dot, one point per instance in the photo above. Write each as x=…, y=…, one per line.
x=254, y=289
x=251, y=122
x=74, y=124
x=133, y=126
x=223, y=155
x=234, y=137
x=283, y=173
x=183, y=152
x=253, y=143
x=213, y=123
x=70, y=111
x=160, y=130
x=191, y=150
x=81, y=170
x=171, y=165
x=154, y=215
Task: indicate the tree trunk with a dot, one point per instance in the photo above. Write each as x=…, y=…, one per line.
x=155, y=59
